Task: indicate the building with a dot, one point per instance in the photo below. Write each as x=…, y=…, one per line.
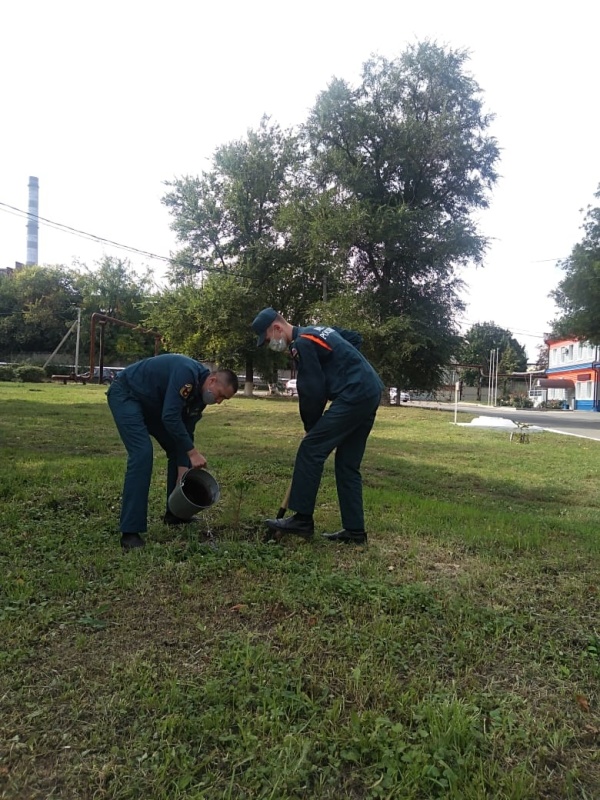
x=8, y=272
x=571, y=377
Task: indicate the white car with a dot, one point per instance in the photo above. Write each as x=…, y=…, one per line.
x=291, y=387
x=397, y=395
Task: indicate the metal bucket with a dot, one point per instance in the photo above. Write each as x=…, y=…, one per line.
x=197, y=491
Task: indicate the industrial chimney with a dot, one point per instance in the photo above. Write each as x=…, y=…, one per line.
x=32, y=221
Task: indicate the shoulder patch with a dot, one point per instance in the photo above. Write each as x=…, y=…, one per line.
x=186, y=390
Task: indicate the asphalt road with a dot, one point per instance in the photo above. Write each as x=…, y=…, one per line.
x=573, y=423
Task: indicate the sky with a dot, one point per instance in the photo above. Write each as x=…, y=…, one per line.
x=106, y=101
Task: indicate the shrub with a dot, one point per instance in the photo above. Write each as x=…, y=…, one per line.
x=521, y=401
x=516, y=400
x=552, y=404
x=7, y=373
x=30, y=374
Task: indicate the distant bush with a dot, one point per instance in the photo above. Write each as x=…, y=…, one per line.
x=7, y=373
x=516, y=400
x=521, y=401
x=30, y=374
x=552, y=404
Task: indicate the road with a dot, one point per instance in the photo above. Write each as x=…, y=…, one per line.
x=573, y=423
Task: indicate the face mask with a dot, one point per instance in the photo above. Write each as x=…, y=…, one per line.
x=278, y=345
x=208, y=397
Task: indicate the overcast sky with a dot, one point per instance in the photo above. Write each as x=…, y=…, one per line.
x=104, y=101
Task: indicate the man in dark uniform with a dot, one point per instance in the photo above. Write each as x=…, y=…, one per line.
x=163, y=397
x=330, y=367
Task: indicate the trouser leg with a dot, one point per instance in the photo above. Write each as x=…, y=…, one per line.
x=348, y=458
x=173, y=459
x=129, y=419
x=339, y=422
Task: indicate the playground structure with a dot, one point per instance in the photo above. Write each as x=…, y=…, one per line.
x=100, y=320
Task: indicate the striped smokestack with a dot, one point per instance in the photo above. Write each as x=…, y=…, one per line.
x=32, y=221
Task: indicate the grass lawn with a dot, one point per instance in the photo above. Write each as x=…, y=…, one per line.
x=457, y=656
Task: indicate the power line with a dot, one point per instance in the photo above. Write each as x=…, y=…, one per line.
x=7, y=208
x=83, y=234
x=94, y=237
x=535, y=334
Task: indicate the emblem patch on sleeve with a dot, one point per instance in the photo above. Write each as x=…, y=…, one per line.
x=186, y=390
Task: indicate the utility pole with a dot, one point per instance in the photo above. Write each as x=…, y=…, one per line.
x=496, y=381
x=77, y=341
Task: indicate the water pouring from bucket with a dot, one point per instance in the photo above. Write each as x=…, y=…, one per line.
x=196, y=491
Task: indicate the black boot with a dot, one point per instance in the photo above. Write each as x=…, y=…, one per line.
x=129, y=541
x=299, y=524
x=348, y=537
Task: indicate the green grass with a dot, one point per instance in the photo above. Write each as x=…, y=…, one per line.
x=458, y=656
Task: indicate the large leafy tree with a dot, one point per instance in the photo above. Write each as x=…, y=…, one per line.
x=369, y=209
x=236, y=251
x=484, y=342
x=113, y=288
x=404, y=159
x=38, y=304
x=578, y=294
x=212, y=325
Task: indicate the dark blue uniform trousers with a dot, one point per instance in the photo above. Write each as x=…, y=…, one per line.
x=345, y=427
x=135, y=430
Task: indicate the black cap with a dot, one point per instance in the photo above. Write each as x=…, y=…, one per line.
x=262, y=321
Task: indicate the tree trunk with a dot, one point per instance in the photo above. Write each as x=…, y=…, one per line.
x=249, y=383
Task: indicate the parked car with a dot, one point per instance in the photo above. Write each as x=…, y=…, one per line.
x=291, y=386
x=108, y=374
x=397, y=395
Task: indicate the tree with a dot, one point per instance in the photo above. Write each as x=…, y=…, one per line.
x=543, y=357
x=212, y=325
x=578, y=294
x=403, y=161
x=236, y=253
x=39, y=304
x=37, y=307
x=373, y=202
x=115, y=289
x=480, y=341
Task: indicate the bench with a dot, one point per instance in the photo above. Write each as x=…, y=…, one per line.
x=65, y=378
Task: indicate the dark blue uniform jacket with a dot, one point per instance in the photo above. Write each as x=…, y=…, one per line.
x=329, y=367
x=169, y=388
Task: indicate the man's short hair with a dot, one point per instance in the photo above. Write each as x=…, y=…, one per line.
x=228, y=378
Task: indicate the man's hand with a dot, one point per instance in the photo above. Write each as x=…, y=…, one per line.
x=197, y=459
